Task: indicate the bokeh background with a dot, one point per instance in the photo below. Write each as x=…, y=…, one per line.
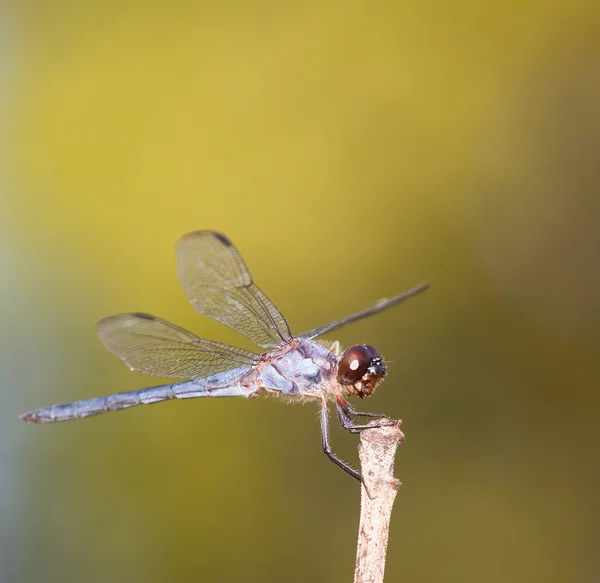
x=350, y=150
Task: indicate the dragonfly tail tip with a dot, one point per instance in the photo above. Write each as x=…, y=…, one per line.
x=30, y=417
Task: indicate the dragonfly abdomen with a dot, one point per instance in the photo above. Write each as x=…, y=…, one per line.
x=183, y=390
x=85, y=408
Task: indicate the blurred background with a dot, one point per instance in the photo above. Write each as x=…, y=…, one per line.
x=350, y=150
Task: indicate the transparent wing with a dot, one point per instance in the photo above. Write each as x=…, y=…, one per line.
x=378, y=307
x=155, y=347
x=219, y=285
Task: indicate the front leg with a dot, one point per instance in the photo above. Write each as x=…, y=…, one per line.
x=345, y=412
x=352, y=411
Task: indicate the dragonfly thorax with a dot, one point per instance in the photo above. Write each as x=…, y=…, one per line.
x=299, y=367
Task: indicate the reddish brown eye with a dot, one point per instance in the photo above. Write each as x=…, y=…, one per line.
x=374, y=354
x=354, y=364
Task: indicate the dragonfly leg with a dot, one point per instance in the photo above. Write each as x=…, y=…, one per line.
x=352, y=411
x=327, y=447
x=345, y=412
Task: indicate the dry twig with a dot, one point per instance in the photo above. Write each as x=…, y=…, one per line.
x=377, y=451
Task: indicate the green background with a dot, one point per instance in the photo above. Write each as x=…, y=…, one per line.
x=350, y=150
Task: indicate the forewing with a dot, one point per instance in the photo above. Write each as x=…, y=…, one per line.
x=378, y=307
x=155, y=347
x=219, y=285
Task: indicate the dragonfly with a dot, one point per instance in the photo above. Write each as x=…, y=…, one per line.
x=218, y=284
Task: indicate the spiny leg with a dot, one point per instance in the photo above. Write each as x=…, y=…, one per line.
x=352, y=411
x=344, y=411
x=327, y=447
x=347, y=422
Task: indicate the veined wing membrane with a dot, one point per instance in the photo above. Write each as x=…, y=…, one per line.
x=219, y=285
x=155, y=347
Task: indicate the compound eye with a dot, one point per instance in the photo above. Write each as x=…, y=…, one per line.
x=354, y=364
x=374, y=354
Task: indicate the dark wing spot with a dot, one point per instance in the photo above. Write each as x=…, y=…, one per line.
x=143, y=316
x=223, y=239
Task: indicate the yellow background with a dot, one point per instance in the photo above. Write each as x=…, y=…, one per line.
x=350, y=150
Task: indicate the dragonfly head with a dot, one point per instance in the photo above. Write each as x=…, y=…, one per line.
x=360, y=370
